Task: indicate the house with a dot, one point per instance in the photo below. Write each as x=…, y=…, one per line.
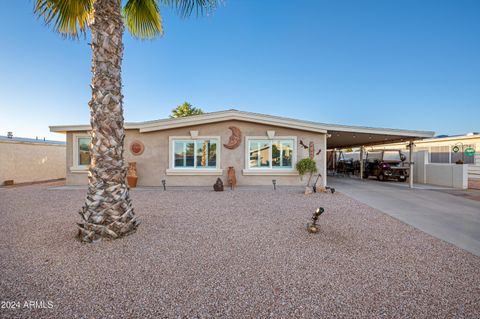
x=442, y=152
x=25, y=160
x=196, y=150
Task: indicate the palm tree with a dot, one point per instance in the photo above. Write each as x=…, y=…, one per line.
x=108, y=212
x=186, y=109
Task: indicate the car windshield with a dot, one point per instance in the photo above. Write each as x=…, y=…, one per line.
x=374, y=156
x=391, y=156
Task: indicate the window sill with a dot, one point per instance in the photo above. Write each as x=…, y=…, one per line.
x=78, y=170
x=271, y=172
x=193, y=172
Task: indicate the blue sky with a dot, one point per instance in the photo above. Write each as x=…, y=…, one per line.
x=403, y=64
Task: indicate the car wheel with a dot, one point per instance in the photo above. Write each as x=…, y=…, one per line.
x=381, y=177
x=365, y=175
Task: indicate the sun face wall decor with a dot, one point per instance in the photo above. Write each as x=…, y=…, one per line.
x=137, y=148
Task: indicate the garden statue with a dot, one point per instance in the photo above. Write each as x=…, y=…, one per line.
x=218, y=186
x=232, y=179
x=312, y=227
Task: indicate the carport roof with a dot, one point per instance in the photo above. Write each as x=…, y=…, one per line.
x=339, y=136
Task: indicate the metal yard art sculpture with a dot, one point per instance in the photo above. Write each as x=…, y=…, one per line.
x=323, y=190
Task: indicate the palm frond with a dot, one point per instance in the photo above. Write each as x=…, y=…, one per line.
x=143, y=18
x=70, y=18
x=186, y=7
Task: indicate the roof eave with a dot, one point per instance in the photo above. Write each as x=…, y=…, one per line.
x=226, y=116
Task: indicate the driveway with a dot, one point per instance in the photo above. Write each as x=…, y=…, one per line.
x=434, y=210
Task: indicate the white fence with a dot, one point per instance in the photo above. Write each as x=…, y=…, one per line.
x=450, y=175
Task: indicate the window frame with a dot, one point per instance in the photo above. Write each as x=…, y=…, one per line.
x=76, y=167
x=271, y=170
x=172, y=170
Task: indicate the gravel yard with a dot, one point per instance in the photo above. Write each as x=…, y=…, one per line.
x=241, y=254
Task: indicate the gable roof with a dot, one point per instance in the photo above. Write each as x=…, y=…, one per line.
x=214, y=117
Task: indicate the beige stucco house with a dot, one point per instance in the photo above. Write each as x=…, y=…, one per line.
x=196, y=150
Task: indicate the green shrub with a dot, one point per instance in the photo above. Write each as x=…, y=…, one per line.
x=306, y=166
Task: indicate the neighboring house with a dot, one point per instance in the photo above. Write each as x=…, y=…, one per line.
x=449, y=150
x=195, y=150
x=24, y=160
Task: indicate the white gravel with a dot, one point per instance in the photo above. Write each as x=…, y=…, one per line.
x=241, y=254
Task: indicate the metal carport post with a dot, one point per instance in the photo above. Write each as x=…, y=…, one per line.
x=410, y=161
x=362, y=151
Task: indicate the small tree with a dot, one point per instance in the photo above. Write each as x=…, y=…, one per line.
x=306, y=165
x=186, y=109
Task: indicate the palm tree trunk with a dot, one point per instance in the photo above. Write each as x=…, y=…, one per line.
x=108, y=211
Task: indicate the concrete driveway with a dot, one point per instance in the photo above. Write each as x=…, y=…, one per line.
x=434, y=210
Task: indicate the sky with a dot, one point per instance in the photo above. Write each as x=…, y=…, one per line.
x=406, y=64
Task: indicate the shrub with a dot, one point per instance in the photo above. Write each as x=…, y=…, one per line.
x=306, y=165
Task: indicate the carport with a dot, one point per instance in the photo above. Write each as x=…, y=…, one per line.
x=344, y=136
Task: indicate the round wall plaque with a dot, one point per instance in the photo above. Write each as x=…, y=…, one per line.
x=137, y=148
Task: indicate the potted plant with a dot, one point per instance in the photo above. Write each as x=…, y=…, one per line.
x=306, y=166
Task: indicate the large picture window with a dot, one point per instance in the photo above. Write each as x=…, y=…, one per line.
x=270, y=154
x=195, y=154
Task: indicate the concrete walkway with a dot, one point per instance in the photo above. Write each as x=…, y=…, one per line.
x=454, y=219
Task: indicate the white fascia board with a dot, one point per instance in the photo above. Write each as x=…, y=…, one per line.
x=226, y=116
x=378, y=131
x=84, y=127
x=69, y=128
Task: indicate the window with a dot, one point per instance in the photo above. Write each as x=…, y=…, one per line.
x=440, y=154
x=270, y=154
x=195, y=154
x=81, y=152
x=391, y=156
x=374, y=156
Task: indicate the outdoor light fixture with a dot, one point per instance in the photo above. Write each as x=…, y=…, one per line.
x=312, y=227
x=164, y=183
x=274, y=182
